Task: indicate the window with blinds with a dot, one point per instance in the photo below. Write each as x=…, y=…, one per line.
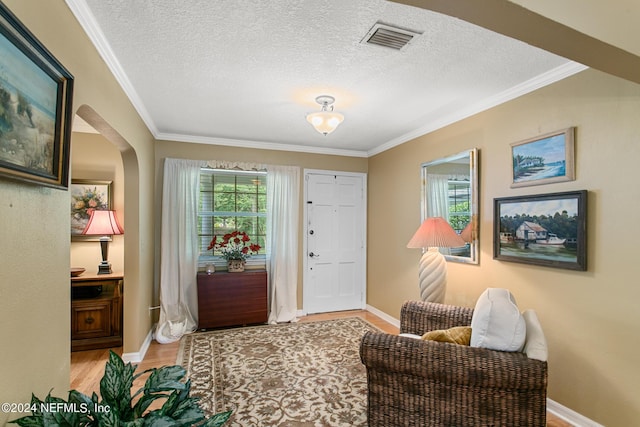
x=230, y=201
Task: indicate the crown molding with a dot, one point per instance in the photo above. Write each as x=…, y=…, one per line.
x=260, y=145
x=545, y=79
x=92, y=29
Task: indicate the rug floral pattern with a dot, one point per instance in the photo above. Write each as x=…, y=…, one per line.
x=300, y=374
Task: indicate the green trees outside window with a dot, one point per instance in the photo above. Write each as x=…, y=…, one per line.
x=230, y=201
x=459, y=204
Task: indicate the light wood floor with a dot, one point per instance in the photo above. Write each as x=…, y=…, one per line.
x=87, y=367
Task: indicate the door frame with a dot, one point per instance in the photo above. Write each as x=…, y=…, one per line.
x=305, y=231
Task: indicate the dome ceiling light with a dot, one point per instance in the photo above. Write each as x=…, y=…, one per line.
x=325, y=121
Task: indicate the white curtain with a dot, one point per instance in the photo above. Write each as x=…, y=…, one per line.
x=179, y=250
x=283, y=205
x=437, y=202
x=437, y=195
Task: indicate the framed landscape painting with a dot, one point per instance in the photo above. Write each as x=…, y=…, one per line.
x=544, y=159
x=547, y=229
x=35, y=108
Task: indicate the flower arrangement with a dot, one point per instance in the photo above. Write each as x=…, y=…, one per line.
x=235, y=245
x=89, y=200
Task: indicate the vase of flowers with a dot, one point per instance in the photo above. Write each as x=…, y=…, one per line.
x=235, y=265
x=235, y=247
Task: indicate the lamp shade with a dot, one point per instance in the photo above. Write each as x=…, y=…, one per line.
x=103, y=223
x=435, y=232
x=467, y=232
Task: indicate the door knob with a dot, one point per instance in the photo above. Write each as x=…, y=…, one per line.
x=312, y=255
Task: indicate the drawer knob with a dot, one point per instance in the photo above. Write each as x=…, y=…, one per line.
x=89, y=320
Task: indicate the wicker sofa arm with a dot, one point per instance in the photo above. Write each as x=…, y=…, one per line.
x=411, y=382
x=425, y=383
x=450, y=363
x=417, y=317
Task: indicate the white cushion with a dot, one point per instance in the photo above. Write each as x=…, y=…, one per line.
x=535, y=345
x=497, y=323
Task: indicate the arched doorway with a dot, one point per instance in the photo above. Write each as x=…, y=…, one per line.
x=99, y=153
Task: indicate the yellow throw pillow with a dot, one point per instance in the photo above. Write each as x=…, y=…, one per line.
x=457, y=335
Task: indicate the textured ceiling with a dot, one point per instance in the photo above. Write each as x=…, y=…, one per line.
x=246, y=73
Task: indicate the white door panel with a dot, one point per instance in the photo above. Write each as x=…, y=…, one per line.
x=322, y=273
x=335, y=241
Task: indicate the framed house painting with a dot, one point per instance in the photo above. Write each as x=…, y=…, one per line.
x=544, y=159
x=548, y=230
x=86, y=196
x=35, y=108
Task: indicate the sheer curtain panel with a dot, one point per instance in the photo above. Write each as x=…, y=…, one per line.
x=438, y=200
x=179, y=250
x=437, y=196
x=283, y=205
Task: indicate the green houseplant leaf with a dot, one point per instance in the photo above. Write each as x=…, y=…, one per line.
x=115, y=386
x=116, y=410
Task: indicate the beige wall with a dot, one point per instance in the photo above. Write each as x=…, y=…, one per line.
x=95, y=158
x=182, y=150
x=589, y=317
x=613, y=21
x=34, y=248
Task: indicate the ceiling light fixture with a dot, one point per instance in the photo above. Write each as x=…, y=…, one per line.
x=326, y=121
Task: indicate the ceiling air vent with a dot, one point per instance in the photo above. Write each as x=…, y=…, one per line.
x=389, y=36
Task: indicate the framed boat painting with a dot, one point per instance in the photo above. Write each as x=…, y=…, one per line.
x=548, y=230
x=35, y=108
x=544, y=159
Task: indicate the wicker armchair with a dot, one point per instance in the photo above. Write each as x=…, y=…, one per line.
x=426, y=383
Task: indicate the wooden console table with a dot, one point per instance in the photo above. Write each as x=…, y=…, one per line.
x=231, y=299
x=96, y=311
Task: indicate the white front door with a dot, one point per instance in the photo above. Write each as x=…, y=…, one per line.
x=335, y=226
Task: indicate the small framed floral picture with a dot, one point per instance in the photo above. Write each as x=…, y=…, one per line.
x=87, y=196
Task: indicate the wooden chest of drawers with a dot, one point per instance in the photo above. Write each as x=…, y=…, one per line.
x=96, y=312
x=231, y=299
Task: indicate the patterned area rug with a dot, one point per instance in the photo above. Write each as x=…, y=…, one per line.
x=299, y=374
